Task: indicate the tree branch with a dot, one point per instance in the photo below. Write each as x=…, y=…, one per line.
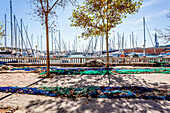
x=47, y=7
x=102, y=17
x=71, y=2
x=42, y=6
x=53, y=5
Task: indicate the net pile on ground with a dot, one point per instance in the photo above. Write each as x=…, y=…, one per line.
x=94, y=91
x=3, y=63
x=24, y=68
x=139, y=71
x=94, y=71
x=30, y=69
x=70, y=71
x=159, y=64
x=27, y=90
x=55, y=68
x=78, y=72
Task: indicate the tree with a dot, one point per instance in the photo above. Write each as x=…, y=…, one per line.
x=98, y=17
x=2, y=31
x=165, y=35
x=44, y=11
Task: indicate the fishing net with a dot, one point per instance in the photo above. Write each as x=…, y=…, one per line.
x=3, y=63
x=93, y=91
x=139, y=71
x=94, y=71
x=78, y=72
x=159, y=64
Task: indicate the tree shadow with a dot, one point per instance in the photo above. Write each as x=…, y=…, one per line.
x=99, y=105
x=102, y=80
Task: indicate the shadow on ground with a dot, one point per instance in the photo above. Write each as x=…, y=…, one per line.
x=97, y=106
x=103, y=80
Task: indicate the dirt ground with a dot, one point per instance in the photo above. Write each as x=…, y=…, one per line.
x=43, y=104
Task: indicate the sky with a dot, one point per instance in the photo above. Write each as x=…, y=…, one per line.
x=154, y=12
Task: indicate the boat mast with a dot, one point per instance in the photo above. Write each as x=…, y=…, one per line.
x=74, y=46
x=83, y=48
x=5, y=32
x=156, y=41
x=21, y=38
x=123, y=44
x=69, y=46
x=11, y=27
x=55, y=44
x=92, y=44
x=65, y=42
x=110, y=44
x=52, y=38
x=15, y=31
x=133, y=41
x=126, y=44
x=114, y=42
x=144, y=35
x=136, y=41
x=130, y=43
x=76, y=43
x=96, y=39
x=59, y=41
x=19, y=42
x=102, y=44
x=37, y=43
x=32, y=39
x=118, y=40
x=28, y=40
x=26, y=36
x=41, y=43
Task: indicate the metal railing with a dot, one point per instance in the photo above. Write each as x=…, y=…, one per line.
x=78, y=60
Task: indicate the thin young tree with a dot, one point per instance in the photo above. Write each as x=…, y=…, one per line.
x=2, y=31
x=98, y=17
x=45, y=11
x=165, y=35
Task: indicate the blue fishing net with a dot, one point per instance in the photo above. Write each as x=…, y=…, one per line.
x=93, y=91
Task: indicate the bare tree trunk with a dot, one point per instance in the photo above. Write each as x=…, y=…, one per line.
x=107, y=49
x=47, y=44
x=107, y=40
